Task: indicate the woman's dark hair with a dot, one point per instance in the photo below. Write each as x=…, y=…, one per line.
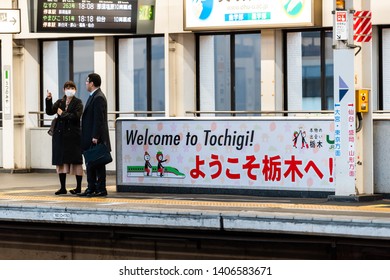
x=95, y=79
x=70, y=84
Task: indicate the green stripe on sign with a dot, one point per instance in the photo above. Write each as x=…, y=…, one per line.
x=6, y=74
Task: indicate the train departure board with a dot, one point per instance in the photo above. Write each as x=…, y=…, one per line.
x=91, y=16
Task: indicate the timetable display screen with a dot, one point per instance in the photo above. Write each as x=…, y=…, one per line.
x=90, y=16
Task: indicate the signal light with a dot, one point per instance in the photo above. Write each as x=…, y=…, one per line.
x=340, y=4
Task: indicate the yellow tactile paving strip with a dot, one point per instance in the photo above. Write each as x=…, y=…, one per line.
x=193, y=203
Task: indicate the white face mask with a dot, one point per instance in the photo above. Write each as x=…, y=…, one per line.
x=70, y=92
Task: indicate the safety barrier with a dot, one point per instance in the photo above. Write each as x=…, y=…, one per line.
x=41, y=115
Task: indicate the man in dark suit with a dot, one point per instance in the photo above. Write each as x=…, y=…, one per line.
x=94, y=125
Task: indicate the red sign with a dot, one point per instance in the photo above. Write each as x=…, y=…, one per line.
x=341, y=16
x=362, y=26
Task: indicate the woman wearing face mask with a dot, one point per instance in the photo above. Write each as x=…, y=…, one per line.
x=66, y=151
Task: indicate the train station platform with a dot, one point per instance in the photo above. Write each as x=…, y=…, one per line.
x=29, y=197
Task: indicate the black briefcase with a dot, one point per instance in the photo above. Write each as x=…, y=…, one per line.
x=97, y=155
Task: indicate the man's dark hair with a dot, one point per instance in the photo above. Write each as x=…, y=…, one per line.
x=95, y=79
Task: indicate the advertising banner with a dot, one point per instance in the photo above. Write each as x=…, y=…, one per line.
x=222, y=14
x=229, y=153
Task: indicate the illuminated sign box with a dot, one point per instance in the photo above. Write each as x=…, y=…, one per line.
x=240, y=14
x=231, y=154
x=92, y=16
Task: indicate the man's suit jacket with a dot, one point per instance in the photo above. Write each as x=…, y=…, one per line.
x=94, y=122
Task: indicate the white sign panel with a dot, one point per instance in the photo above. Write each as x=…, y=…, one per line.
x=345, y=119
x=341, y=25
x=235, y=154
x=225, y=14
x=9, y=21
x=7, y=93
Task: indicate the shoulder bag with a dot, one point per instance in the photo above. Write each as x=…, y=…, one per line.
x=97, y=155
x=52, y=126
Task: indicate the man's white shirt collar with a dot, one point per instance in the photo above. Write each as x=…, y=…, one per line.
x=90, y=94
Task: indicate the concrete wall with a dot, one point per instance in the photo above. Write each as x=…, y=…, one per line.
x=41, y=149
x=381, y=156
x=1, y=146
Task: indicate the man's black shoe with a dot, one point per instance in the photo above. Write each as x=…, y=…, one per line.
x=75, y=191
x=86, y=193
x=97, y=194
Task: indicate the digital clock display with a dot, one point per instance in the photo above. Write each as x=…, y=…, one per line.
x=92, y=16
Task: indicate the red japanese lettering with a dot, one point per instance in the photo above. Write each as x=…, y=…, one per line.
x=272, y=168
x=311, y=164
x=196, y=172
x=249, y=165
x=293, y=169
x=228, y=173
x=217, y=163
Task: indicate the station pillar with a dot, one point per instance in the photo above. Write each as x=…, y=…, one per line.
x=7, y=95
x=347, y=114
x=344, y=99
x=7, y=101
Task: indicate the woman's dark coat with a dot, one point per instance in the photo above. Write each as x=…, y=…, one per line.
x=67, y=133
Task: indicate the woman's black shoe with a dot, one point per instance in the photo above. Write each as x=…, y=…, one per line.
x=75, y=191
x=60, y=191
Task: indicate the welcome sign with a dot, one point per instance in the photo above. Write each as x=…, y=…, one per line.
x=226, y=14
x=226, y=153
